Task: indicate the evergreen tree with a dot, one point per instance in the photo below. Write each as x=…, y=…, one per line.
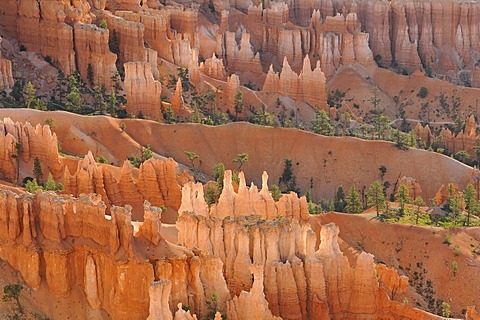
x=74, y=99
x=339, y=203
x=262, y=117
x=114, y=43
x=90, y=75
x=30, y=93
x=375, y=196
x=238, y=103
x=321, y=123
x=50, y=184
x=32, y=186
x=145, y=154
x=354, y=204
x=192, y=156
x=112, y=102
x=17, y=90
x=169, y=115
x=103, y=24
x=210, y=195
x=241, y=159
x=37, y=170
x=275, y=192
x=419, y=203
x=455, y=206
x=288, y=180
x=218, y=174
x=196, y=118
x=402, y=197
x=471, y=203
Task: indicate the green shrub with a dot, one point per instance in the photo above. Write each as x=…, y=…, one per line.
x=422, y=93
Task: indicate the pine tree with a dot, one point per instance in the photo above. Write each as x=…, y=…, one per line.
x=32, y=186
x=114, y=43
x=30, y=92
x=192, y=156
x=288, y=179
x=321, y=123
x=419, y=203
x=339, y=202
x=195, y=115
x=471, y=203
x=241, y=159
x=37, y=170
x=354, y=204
x=90, y=75
x=113, y=102
x=50, y=184
x=375, y=196
x=218, y=174
x=402, y=197
x=238, y=103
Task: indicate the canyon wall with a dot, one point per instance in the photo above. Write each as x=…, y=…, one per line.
x=92, y=51
x=133, y=272
x=157, y=181
x=466, y=140
x=6, y=77
x=142, y=90
x=308, y=86
x=298, y=279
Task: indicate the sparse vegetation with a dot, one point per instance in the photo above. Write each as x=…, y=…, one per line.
x=241, y=159
x=288, y=181
x=145, y=154
x=192, y=157
x=11, y=292
x=422, y=93
x=353, y=201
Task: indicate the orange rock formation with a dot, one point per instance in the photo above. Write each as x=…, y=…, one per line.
x=308, y=86
x=465, y=140
x=142, y=90
x=298, y=279
x=6, y=77
x=138, y=274
x=91, y=47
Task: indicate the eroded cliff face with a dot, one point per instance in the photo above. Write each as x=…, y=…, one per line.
x=92, y=51
x=308, y=86
x=21, y=143
x=6, y=77
x=157, y=181
x=142, y=90
x=135, y=275
x=300, y=280
x=432, y=35
x=465, y=140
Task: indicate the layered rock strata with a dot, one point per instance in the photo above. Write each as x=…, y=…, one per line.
x=308, y=86
x=300, y=280
x=156, y=181
x=465, y=140
x=21, y=144
x=142, y=90
x=92, y=52
x=6, y=76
